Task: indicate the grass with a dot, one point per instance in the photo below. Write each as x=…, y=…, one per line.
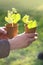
x=26, y=56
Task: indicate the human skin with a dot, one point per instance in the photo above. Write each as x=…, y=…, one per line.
x=22, y=40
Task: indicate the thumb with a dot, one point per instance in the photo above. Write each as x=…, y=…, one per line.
x=3, y=31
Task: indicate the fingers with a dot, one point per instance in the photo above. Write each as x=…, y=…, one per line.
x=36, y=33
x=30, y=40
x=3, y=31
x=31, y=35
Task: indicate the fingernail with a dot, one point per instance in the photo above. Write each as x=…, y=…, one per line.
x=36, y=33
x=35, y=37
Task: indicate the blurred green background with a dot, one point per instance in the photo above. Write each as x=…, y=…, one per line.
x=26, y=56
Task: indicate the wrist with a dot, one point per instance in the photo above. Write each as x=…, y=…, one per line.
x=10, y=42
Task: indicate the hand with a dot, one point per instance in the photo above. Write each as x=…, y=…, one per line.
x=22, y=40
x=3, y=33
x=2, y=30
